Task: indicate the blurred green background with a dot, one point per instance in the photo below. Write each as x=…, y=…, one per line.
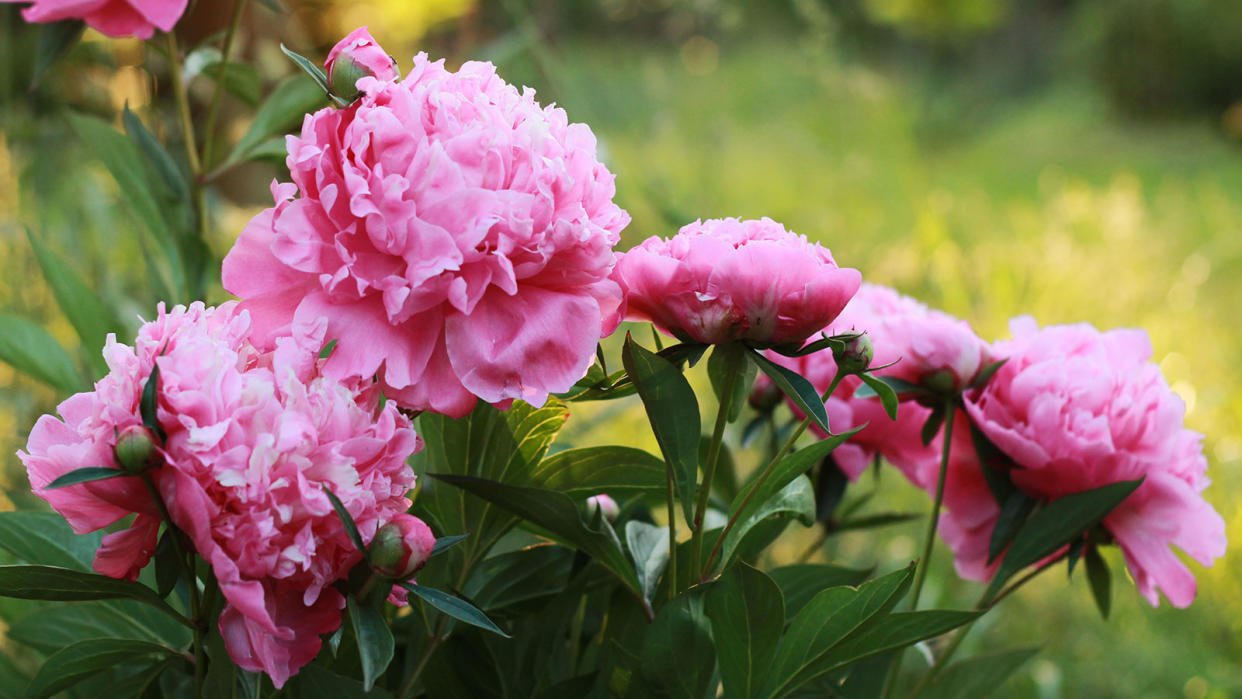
x=1074, y=160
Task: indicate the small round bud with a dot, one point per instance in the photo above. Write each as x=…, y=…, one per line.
x=135, y=449
x=855, y=356
x=765, y=396
x=353, y=58
x=604, y=504
x=401, y=547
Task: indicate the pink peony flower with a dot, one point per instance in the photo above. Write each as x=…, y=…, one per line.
x=355, y=57
x=252, y=439
x=722, y=280
x=1077, y=409
x=401, y=547
x=456, y=236
x=115, y=18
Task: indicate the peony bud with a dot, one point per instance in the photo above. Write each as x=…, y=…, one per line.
x=765, y=396
x=401, y=547
x=604, y=504
x=135, y=449
x=355, y=57
x=856, y=356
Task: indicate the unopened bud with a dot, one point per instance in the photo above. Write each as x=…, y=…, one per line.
x=605, y=504
x=401, y=547
x=353, y=58
x=135, y=449
x=765, y=396
x=855, y=356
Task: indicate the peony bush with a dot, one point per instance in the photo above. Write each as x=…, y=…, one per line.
x=351, y=480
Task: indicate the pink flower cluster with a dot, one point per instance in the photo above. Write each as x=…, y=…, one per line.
x=724, y=279
x=252, y=440
x=456, y=235
x=115, y=18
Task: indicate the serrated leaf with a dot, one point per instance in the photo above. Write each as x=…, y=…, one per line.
x=1013, y=514
x=747, y=613
x=1056, y=524
x=63, y=584
x=590, y=470
x=455, y=607
x=347, y=521
x=86, y=475
x=977, y=677
x=31, y=350
x=1100, y=579
x=375, y=642
x=281, y=111
x=76, y=662
x=797, y=388
x=91, y=318
x=648, y=545
x=673, y=413
x=800, y=583
x=888, y=397
x=678, y=656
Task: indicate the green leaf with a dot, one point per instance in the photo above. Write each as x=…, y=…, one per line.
x=28, y=348
x=86, y=475
x=557, y=513
x=731, y=359
x=888, y=397
x=375, y=642
x=1054, y=525
x=238, y=79
x=747, y=613
x=455, y=607
x=986, y=374
x=797, y=498
x=48, y=583
x=790, y=467
x=280, y=112
x=882, y=519
x=224, y=679
x=149, y=402
x=591, y=470
x=444, y=543
x=891, y=632
x=828, y=619
x=157, y=156
x=347, y=521
x=995, y=465
x=900, y=386
x=53, y=627
x=1013, y=514
x=317, y=682
x=977, y=677
x=517, y=577
x=76, y=662
x=932, y=427
x=797, y=388
x=315, y=72
x=673, y=413
x=648, y=545
x=168, y=564
x=55, y=38
x=678, y=657
x=91, y=318
x=800, y=583
x=1100, y=579
x=43, y=538
x=146, y=679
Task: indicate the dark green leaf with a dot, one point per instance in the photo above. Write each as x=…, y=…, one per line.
x=648, y=545
x=591, y=470
x=159, y=158
x=882, y=519
x=977, y=677
x=801, y=582
x=375, y=643
x=446, y=542
x=149, y=403
x=730, y=360
x=797, y=388
x=76, y=662
x=238, y=79
x=516, y=577
x=224, y=680
x=315, y=72
x=1100, y=579
x=932, y=426
x=797, y=498
x=900, y=386
x=55, y=38
x=830, y=484
x=31, y=350
x=317, y=682
x=1054, y=525
x=995, y=465
x=91, y=318
x=168, y=564
x=455, y=607
x=747, y=613
x=48, y=583
x=678, y=658
x=146, y=679
x=86, y=475
x=1013, y=514
x=888, y=397
x=1074, y=553
x=347, y=521
x=281, y=111
x=673, y=413
x=53, y=627
x=557, y=513
x=43, y=538
x=688, y=353
x=986, y=374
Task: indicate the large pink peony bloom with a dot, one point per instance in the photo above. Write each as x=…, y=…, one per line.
x=1077, y=409
x=723, y=279
x=928, y=346
x=252, y=439
x=456, y=236
x=115, y=18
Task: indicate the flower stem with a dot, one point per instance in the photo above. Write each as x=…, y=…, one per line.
x=198, y=197
x=239, y=8
x=713, y=457
x=929, y=540
x=672, y=533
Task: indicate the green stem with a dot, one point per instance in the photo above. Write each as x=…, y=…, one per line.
x=198, y=197
x=929, y=540
x=709, y=468
x=437, y=638
x=672, y=534
x=239, y=8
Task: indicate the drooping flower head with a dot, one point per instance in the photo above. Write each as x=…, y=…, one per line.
x=115, y=18
x=251, y=440
x=456, y=235
x=726, y=279
x=1078, y=409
